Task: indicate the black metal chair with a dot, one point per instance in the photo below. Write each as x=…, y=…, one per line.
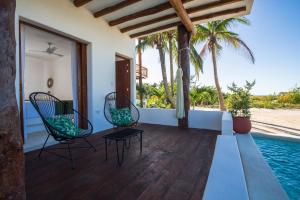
x=116, y=100
x=116, y=104
x=62, y=122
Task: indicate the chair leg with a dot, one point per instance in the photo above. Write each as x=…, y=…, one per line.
x=42, y=149
x=70, y=155
x=91, y=146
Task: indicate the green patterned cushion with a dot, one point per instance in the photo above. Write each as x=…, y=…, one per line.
x=64, y=125
x=121, y=117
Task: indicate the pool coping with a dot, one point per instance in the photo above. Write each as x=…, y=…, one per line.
x=260, y=179
x=226, y=178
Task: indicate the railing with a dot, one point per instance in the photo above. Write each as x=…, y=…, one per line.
x=144, y=72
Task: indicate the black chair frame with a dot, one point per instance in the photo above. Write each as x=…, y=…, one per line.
x=111, y=101
x=61, y=138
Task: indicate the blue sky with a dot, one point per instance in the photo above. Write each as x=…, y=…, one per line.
x=274, y=37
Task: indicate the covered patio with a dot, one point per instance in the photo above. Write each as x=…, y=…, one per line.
x=175, y=164
x=199, y=159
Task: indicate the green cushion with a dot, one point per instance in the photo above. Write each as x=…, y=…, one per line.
x=121, y=117
x=64, y=125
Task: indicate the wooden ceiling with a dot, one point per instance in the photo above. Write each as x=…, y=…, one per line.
x=138, y=18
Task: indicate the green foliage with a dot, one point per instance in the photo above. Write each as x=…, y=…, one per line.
x=290, y=99
x=238, y=101
x=155, y=96
x=203, y=96
x=206, y=96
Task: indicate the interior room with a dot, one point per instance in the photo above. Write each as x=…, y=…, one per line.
x=48, y=65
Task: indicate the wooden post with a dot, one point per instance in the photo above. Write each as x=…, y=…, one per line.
x=140, y=74
x=82, y=90
x=12, y=184
x=184, y=62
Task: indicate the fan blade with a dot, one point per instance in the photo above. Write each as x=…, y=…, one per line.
x=60, y=55
x=38, y=51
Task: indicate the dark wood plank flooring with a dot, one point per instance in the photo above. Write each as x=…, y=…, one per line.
x=174, y=165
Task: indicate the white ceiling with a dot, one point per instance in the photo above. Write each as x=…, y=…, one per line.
x=37, y=40
x=97, y=5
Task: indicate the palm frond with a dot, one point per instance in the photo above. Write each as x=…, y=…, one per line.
x=196, y=61
x=231, y=22
x=204, y=50
x=248, y=51
x=238, y=44
x=202, y=33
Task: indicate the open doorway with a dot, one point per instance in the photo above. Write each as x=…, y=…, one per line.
x=51, y=64
x=123, y=79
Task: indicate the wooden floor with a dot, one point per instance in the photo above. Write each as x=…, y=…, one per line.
x=174, y=165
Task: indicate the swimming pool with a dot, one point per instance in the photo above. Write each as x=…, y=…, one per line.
x=283, y=157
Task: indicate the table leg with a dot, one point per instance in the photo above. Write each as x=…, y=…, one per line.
x=118, y=152
x=141, y=142
x=124, y=141
x=105, y=148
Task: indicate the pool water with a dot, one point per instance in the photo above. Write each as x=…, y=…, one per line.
x=283, y=157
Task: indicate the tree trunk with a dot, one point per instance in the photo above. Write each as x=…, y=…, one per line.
x=164, y=75
x=12, y=184
x=140, y=77
x=171, y=63
x=184, y=61
x=220, y=94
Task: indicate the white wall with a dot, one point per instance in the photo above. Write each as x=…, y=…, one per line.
x=104, y=42
x=36, y=73
x=197, y=118
x=34, y=80
x=62, y=78
x=38, y=70
x=227, y=124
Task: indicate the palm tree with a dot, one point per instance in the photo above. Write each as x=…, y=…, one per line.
x=159, y=41
x=140, y=86
x=171, y=36
x=216, y=33
x=195, y=58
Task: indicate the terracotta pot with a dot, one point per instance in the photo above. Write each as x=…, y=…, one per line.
x=242, y=124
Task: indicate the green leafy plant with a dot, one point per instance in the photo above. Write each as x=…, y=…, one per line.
x=238, y=100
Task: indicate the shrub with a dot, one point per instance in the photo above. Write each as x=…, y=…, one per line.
x=238, y=100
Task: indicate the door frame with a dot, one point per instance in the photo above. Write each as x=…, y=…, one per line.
x=82, y=71
x=132, y=76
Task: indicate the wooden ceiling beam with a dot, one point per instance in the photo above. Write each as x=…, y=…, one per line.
x=156, y=29
x=183, y=15
x=143, y=13
x=115, y=7
x=146, y=23
x=173, y=16
x=220, y=13
x=194, y=19
x=79, y=3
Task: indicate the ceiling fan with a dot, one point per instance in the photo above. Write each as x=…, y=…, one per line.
x=50, y=50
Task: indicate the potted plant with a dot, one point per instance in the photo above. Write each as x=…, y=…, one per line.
x=239, y=105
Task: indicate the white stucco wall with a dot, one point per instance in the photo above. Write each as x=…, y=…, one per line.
x=38, y=70
x=34, y=76
x=62, y=78
x=104, y=42
x=227, y=124
x=204, y=119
